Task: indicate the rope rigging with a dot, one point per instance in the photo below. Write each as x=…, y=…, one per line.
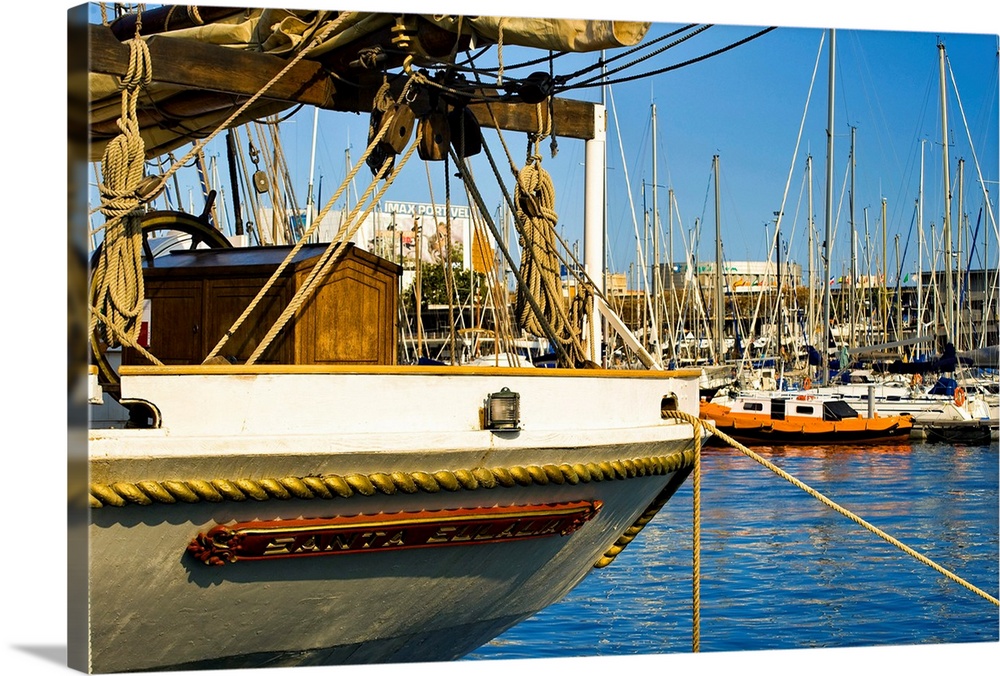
x=540, y=261
x=659, y=71
x=451, y=77
x=563, y=83
x=605, y=61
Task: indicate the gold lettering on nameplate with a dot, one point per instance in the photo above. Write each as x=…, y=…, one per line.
x=297, y=538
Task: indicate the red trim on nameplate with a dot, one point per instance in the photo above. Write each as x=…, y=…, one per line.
x=296, y=538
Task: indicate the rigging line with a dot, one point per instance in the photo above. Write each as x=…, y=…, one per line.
x=906, y=248
x=601, y=63
x=179, y=122
x=279, y=120
x=309, y=231
x=798, y=142
x=472, y=57
x=459, y=93
x=660, y=71
x=492, y=70
x=975, y=159
x=790, y=245
x=634, y=62
x=628, y=191
x=519, y=227
x=477, y=198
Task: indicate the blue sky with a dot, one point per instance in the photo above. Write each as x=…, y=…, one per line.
x=745, y=106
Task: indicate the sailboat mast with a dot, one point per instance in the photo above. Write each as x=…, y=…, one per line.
x=934, y=280
x=671, y=315
x=899, y=299
x=958, y=256
x=812, y=271
x=312, y=169
x=719, y=310
x=920, y=249
x=647, y=320
x=946, y=226
x=593, y=228
x=829, y=211
x=657, y=285
x=867, y=295
x=884, y=279
x=852, y=296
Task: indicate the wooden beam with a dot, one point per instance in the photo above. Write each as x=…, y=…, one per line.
x=571, y=119
x=190, y=63
x=204, y=67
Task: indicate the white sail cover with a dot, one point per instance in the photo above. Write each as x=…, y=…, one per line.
x=569, y=35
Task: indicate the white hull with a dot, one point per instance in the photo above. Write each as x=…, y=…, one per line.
x=262, y=437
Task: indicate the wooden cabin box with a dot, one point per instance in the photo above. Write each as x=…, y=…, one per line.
x=195, y=296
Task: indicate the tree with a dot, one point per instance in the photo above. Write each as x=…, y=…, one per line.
x=433, y=288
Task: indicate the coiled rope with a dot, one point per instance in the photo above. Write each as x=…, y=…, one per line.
x=118, y=285
x=534, y=198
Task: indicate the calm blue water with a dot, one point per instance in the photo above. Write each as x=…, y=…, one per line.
x=781, y=570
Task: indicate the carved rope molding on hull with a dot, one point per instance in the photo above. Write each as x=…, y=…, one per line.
x=330, y=486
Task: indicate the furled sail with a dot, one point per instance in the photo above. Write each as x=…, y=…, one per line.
x=207, y=62
x=568, y=35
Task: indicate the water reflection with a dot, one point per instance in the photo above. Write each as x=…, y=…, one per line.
x=782, y=570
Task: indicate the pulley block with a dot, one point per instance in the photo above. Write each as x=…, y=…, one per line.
x=466, y=136
x=435, y=135
x=260, y=181
x=536, y=88
x=400, y=120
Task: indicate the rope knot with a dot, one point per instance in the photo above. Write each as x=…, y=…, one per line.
x=140, y=66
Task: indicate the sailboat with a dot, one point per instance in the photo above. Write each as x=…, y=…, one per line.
x=946, y=402
x=271, y=488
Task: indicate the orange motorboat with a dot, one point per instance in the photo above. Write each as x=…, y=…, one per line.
x=771, y=418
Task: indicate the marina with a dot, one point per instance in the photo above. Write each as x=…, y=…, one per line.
x=424, y=416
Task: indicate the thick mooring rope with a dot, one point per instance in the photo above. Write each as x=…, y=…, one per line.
x=632, y=531
x=845, y=512
x=118, y=284
x=332, y=486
